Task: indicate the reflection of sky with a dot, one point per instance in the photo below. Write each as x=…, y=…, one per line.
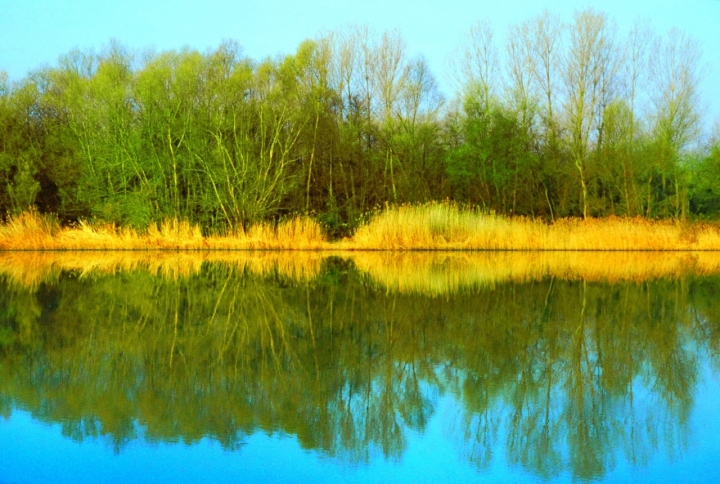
x=37, y=452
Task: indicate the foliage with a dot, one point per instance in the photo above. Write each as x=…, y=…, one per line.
x=573, y=120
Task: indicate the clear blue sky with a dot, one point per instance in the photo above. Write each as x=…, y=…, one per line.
x=34, y=33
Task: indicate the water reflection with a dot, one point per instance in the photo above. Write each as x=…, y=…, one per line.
x=429, y=273
x=561, y=367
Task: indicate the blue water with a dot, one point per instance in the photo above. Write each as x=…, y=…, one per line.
x=34, y=451
x=455, y=389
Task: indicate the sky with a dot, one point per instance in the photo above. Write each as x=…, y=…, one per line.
x=35, y=33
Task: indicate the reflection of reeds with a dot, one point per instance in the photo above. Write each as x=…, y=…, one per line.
x=30, y=268
x=441, y=273
x=429, y=273
x=31, y=231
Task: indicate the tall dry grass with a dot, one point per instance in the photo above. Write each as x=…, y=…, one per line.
x=434, y=226
x=31, y=231
x=444, y=226
x=299, y=233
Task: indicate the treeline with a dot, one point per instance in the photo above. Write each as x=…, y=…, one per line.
x=563, y=120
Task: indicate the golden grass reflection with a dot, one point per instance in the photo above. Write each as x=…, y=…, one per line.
x=440, y=273
x=29, y=269
x=427, y=273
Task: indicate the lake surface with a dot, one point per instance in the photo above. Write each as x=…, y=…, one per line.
x=362, y=367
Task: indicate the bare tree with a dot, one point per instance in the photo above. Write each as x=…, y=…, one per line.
x=589, y=74
x=343, y=62
x=313, y=65
x=478, y=67
x=634, y=81
x=543, y=37
x=675, y=74
x=534, y=54
x=389, y=71
x=421, y=97
x=521, y=89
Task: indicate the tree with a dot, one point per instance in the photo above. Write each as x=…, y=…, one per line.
x=634, y=80
x=21, y=145
x=478, y=64
x=538, y=46
x=675, y=123
x=589, y=74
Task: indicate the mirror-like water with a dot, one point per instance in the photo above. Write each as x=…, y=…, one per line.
x=362, y=367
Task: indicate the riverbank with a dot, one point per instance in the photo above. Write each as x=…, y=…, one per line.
x=432, y=226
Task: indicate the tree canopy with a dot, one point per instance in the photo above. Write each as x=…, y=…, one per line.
x=565, y=119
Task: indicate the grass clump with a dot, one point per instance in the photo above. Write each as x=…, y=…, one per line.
x=33, y=231
x=445, y=226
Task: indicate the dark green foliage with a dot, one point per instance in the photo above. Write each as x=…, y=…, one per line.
x=497, y=163
x=705, y=185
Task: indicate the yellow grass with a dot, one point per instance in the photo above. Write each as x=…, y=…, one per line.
x=30, y=231
x=300, y=233
x=432, y=226
x=446, y=227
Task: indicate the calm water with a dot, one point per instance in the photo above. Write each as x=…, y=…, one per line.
x=301, y=368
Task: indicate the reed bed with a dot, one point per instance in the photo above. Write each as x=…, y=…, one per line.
x=445, y=226
x=31, y=231
x=434, y=226
x=299, y=233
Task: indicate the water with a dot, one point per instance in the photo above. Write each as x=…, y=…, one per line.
x=299, y=367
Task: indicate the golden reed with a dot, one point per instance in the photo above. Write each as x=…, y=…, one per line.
x=31, y=231
x=434, y=226
x=437, y=226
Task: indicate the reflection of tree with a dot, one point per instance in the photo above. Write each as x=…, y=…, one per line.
x=547, y=369
x=560, y=387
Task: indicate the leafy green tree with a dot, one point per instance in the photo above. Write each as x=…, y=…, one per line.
x=705, y=185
